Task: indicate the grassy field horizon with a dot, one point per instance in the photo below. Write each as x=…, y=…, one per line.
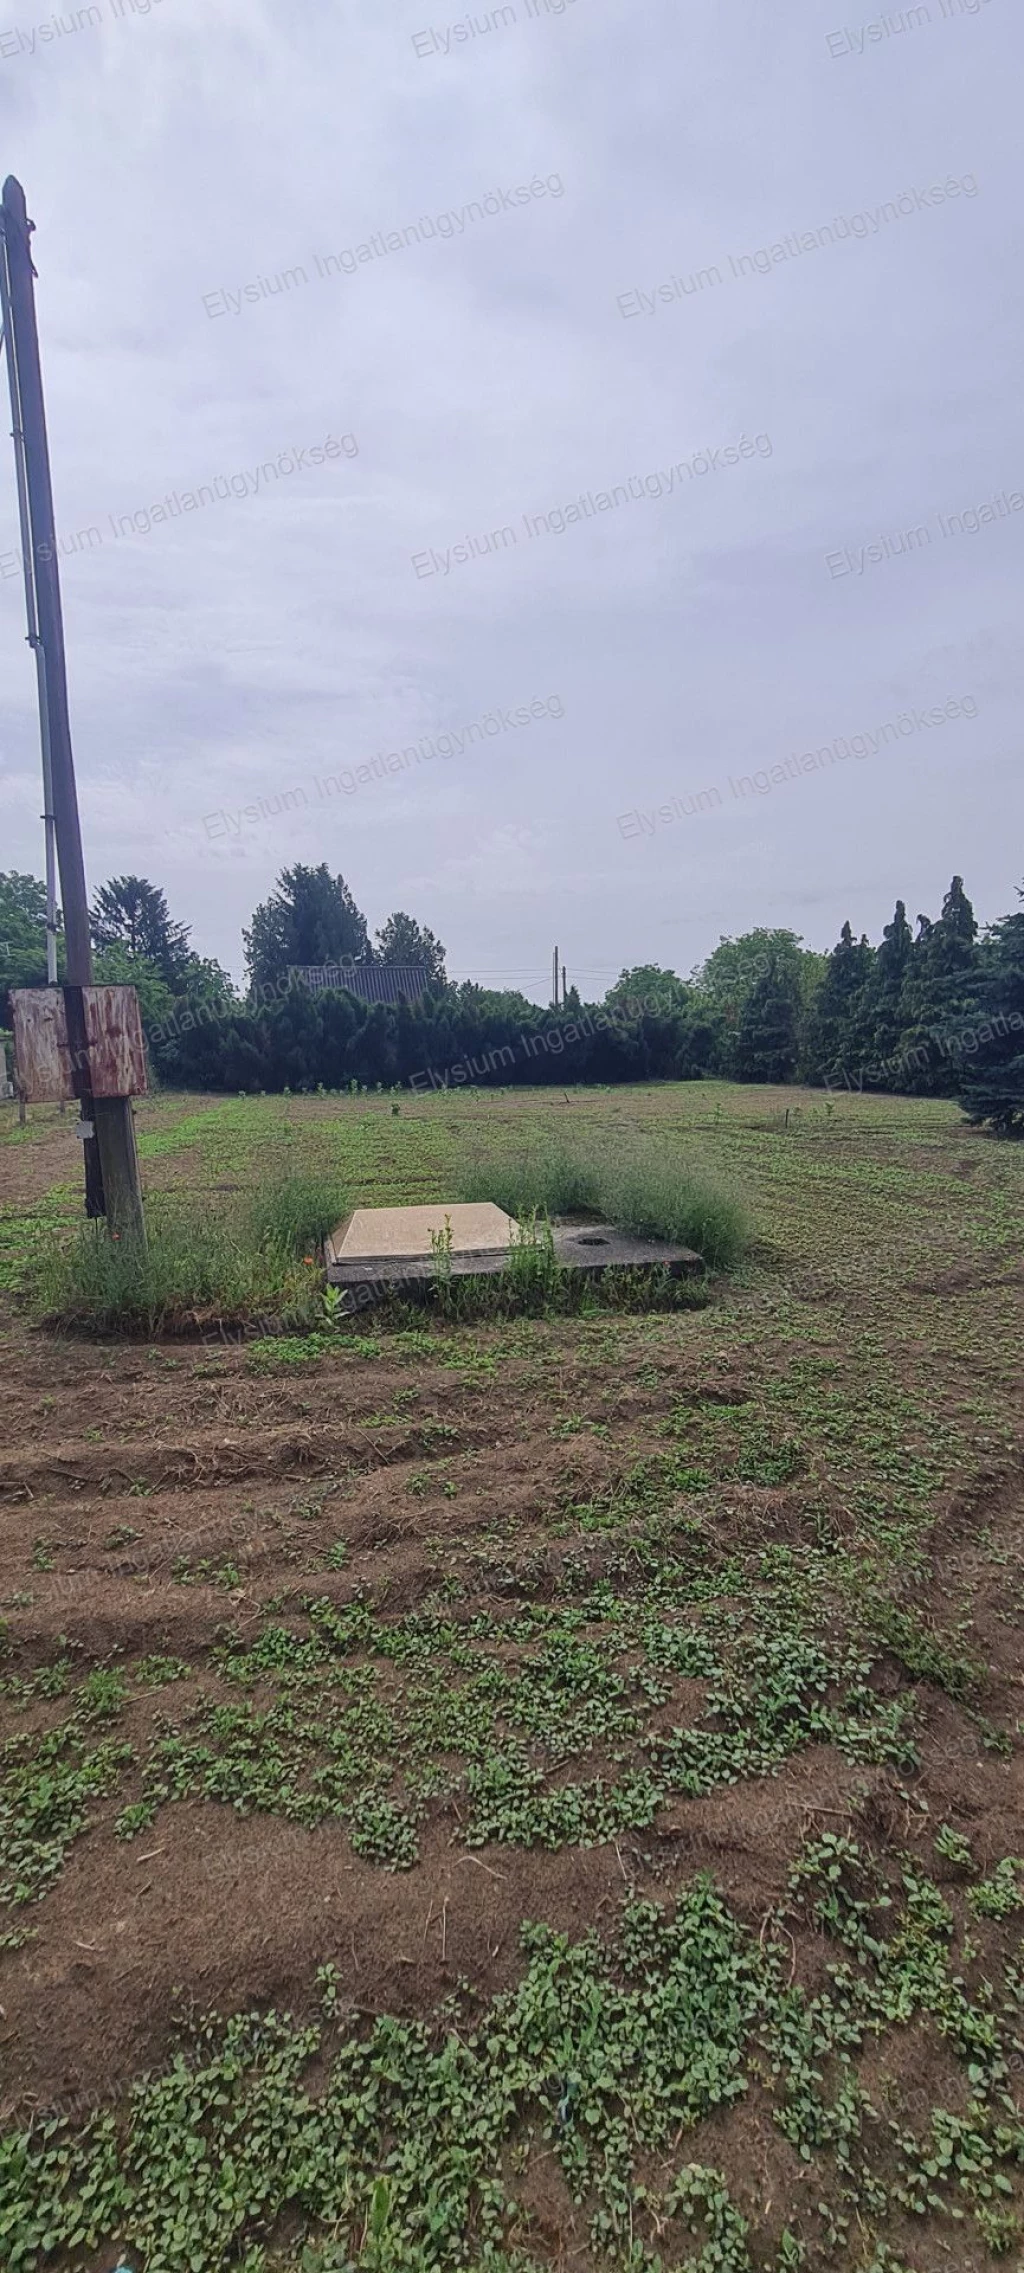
x=393, y=1147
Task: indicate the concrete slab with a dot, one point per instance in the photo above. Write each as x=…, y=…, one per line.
x=392, y=1235
x=358, y=1258
x=601, y=1247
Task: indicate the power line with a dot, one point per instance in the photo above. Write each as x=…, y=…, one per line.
x=586, y=971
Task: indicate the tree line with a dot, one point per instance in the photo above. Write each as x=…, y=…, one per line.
x=936, y=1010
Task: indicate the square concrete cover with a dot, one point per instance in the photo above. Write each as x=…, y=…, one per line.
x=372, y=1234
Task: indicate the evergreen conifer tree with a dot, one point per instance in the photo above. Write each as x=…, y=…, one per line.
x=834, y=1028
x=994, y=1088
x=940, y=997
x=766, y=1039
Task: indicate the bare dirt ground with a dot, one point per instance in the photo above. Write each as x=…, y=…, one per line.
x=171, y=1505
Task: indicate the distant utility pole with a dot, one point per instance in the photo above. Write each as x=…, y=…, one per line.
x=554, y=992
x=112, y=1186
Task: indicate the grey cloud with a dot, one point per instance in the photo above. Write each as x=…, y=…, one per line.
x=488, y=374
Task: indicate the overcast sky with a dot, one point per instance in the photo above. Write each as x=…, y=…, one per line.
x=863, y=392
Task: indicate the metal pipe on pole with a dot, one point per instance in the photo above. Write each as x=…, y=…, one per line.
x=32, y=618
x=112, y=1179
x=34, y=641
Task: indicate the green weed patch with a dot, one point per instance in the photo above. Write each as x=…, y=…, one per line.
x=375, y=1722
x=413, y=2150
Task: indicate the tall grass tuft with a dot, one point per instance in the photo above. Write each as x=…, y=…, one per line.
x=641, y=1186
x=200, y=1263
x=658, y=1196
x=548, y=1178
x=296, y=1212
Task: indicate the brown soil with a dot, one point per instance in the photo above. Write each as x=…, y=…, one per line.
x=49, y=1153
x=120, y=1464
x=198, y=1461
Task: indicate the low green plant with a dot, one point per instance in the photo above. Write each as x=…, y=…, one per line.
x=953, y=1847
x=441, y=1246
x=1001, y=1895
x=925, y=1654
x=531, y=1271
x=155, y=1672
x=103, y=1693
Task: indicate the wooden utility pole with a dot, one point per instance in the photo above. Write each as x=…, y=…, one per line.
x=112, y=1185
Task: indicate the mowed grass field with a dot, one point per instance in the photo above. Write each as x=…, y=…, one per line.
x=533, y=1795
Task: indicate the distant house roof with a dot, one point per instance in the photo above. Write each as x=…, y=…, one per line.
x=369, y=982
